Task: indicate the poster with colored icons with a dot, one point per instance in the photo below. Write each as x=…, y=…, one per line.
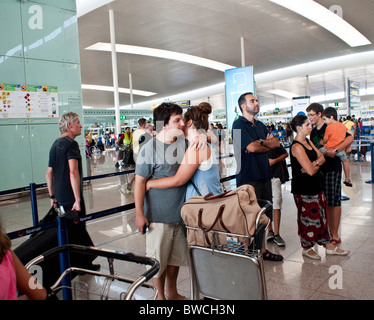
x=28, y=101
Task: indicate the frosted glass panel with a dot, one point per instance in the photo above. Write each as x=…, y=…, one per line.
x=64, y=4
x=12, y=70
x=15, y=157
x=39, y=46
x=74, y=81
x=11, y=34
x=42, y=137
x=71, y=37
x=43, y=32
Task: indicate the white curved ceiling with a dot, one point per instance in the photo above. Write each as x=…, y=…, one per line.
x=276, y=41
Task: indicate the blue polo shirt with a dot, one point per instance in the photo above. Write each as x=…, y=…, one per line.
x=250, y=166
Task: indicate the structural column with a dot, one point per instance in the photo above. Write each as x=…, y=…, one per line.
x=131, y=94
x=114, y=71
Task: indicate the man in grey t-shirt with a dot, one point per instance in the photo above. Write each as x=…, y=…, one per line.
x=158, y=160
x=160, y=209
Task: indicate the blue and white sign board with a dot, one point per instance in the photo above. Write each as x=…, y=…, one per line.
x=238, y=81
x=299, y=105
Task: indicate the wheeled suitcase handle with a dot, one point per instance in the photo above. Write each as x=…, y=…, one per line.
x=265, y=206
x=155, y=266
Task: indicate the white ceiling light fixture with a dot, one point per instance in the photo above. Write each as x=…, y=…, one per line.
x=326, y=19
x=121, y=90
x=189, y=95
x=165, y=54
x=283, y=93
x=86, y=6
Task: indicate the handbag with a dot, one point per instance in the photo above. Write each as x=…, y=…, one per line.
x=235, y=212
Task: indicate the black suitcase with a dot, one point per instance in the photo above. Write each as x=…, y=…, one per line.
x=128, y=158
x=45, y=240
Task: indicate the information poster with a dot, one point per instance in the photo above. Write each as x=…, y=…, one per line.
x=28, y=101
x=299, y=105
x=238, y=81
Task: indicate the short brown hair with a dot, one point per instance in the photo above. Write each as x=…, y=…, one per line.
x=163, y=113
x=142, y=122
x=316, y=107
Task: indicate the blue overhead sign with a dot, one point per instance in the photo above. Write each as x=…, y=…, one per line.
x=238, y=81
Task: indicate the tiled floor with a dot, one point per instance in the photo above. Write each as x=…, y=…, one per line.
x=296, y=278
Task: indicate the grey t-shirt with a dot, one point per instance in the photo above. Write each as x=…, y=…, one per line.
x=158, y=160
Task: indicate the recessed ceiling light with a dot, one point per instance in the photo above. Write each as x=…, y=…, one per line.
x=326, y=19
x=165, y=54
x=121, y=90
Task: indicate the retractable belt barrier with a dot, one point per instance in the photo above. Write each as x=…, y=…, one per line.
x=32, y=188
x=41, y=227
x=63, y=224
x=34, y=208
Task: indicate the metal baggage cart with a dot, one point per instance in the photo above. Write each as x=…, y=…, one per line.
x=230, y=271
x=126, y=288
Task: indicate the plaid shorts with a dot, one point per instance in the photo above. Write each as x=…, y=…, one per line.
x=332, y=187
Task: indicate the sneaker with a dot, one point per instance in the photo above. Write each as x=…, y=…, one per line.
x=279, y=241
x=128, y=188
x=270, y=236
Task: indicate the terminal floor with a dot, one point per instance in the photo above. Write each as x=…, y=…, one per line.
x=296, y=278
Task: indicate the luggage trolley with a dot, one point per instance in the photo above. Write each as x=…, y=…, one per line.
x=233, y=270
x=82, y=291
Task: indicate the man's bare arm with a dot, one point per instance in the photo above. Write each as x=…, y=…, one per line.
x=139, y=194
x=345, y=144
x=75, y=183
x=49, y=180
x=257, y=147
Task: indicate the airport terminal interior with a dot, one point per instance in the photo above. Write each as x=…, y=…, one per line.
x=295, y=278
x=114, y=61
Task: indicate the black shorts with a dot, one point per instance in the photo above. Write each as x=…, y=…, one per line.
x=332, y=187
x=264, y=192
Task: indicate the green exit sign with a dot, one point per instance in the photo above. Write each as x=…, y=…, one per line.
x=121, y=117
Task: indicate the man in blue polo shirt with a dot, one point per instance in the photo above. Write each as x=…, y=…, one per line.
x=252, y=141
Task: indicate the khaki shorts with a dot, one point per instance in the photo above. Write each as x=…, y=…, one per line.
x=167, y=243
x=276, y=186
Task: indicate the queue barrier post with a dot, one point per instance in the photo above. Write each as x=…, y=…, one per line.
x=62, y=238
x=34, y=204
x=372, y=163
x=358, y=153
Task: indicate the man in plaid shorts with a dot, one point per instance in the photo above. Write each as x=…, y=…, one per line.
x=331, y=169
